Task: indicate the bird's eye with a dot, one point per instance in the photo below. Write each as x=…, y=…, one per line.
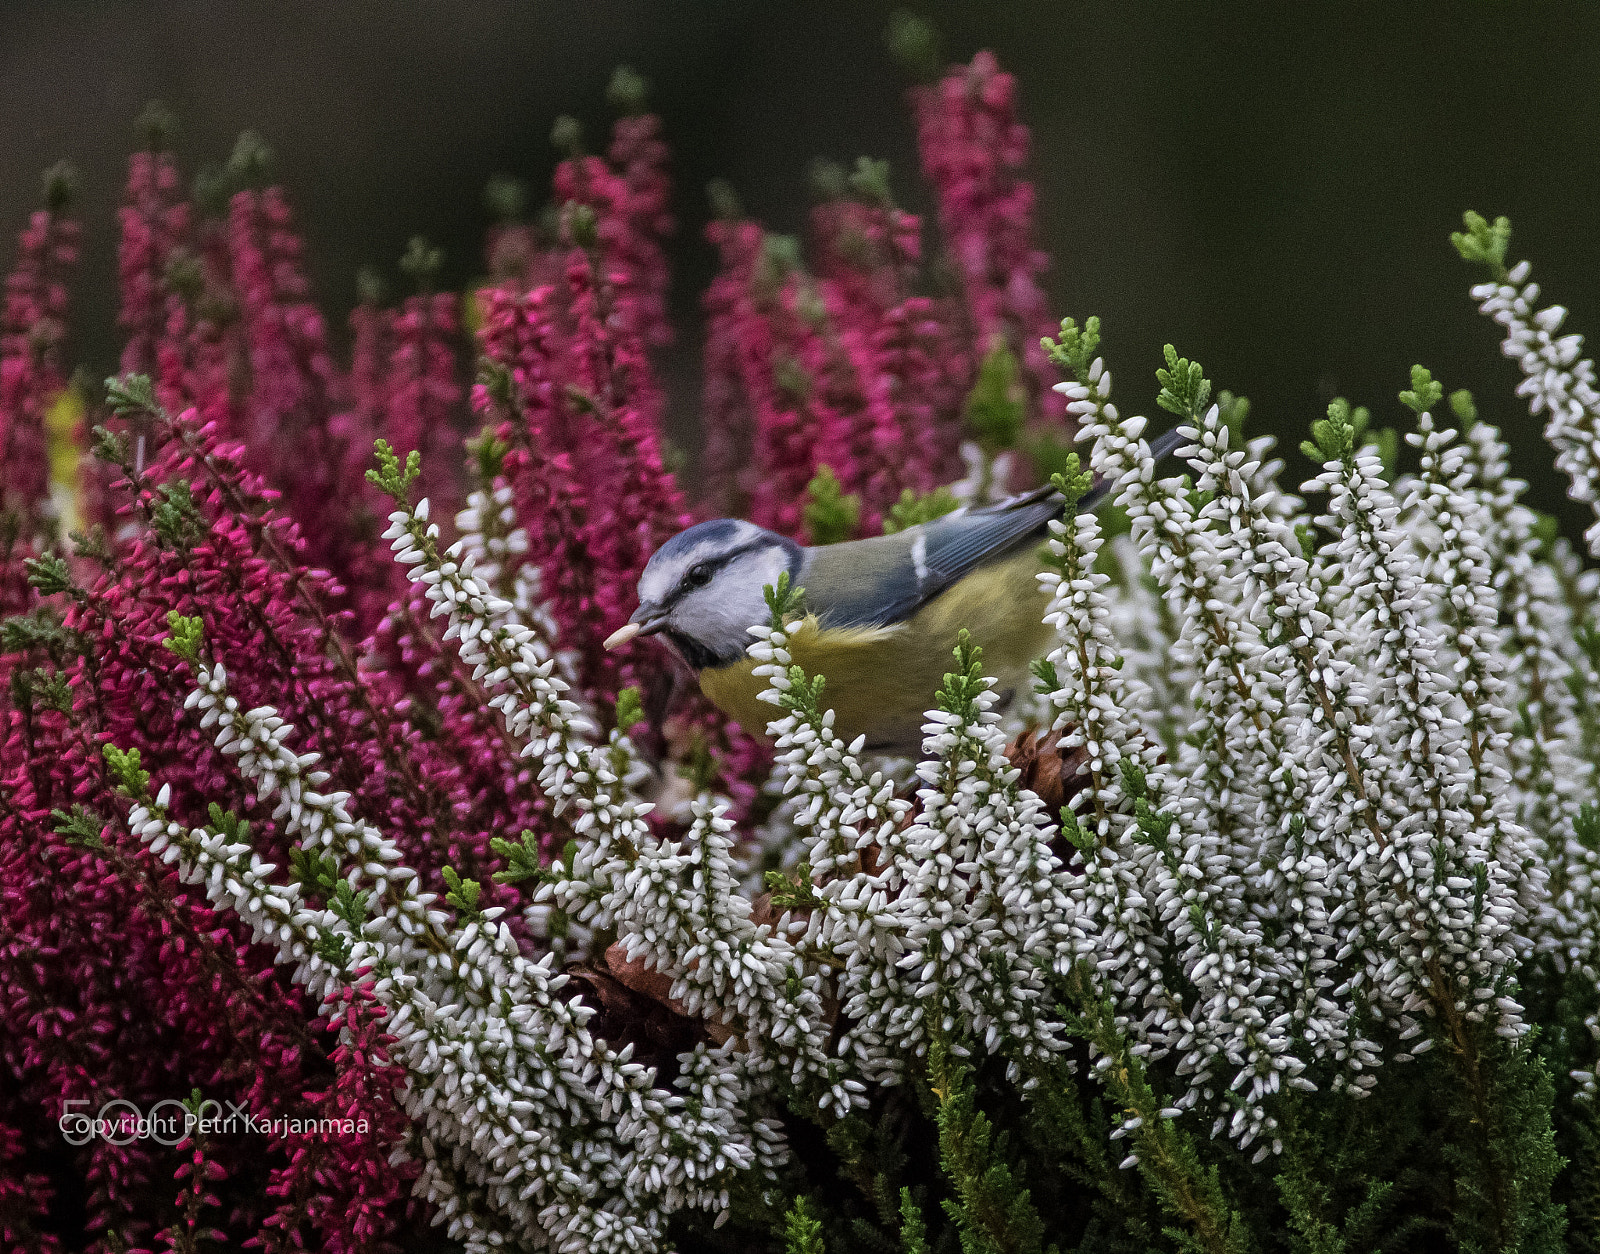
x=698, y=576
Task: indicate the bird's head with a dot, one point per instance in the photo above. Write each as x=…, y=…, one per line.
x=703, y=589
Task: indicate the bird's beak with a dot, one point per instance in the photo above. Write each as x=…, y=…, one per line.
x=646, y=621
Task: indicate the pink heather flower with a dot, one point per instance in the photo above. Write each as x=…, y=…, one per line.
x=266, y=618
x=342, y=1183
x=155, y=225
x=777, y=324
x=867, y=254
x=148, y=993
x=291, y=432
x=639, y=153
x=973, y=151
x=613, y=376
x=421, y=395
x=630, y=197
x=896, y=392
x=371, y=579
x=291, y=375
x=727, y=419
x=32, y=326
x=552, y=503
x=24, y=1198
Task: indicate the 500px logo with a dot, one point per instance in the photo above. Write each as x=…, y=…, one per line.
x=120, y=1122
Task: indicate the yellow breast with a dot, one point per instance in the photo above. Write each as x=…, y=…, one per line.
x=881, y=680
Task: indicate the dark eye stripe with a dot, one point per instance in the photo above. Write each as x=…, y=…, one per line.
x=712, y=565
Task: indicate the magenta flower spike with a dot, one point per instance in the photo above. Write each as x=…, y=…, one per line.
x=727, y=417
x=974, y=151
x=422, y=395
x=32, y=327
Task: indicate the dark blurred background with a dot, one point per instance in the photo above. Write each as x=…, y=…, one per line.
x=1268, y=186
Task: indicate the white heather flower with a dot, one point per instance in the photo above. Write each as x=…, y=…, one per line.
x=1245, y=787
x=1308, y=663
x=1554, y=380
x=1433, y=888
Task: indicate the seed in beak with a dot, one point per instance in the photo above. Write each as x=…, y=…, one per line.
x=622, y=635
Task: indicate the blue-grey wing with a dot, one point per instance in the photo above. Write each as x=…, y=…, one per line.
x=887, y=579
x=884, y=580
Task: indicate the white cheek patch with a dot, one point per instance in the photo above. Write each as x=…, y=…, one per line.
x=720, y=615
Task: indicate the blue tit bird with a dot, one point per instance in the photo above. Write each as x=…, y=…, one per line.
x=882, y=615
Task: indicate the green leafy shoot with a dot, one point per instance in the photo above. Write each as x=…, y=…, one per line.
x=963, y=685
x=498, y=383
x=127, y=776
x=523, y=862
x=175, y=516
x=566, y=136
x=1074, y=352
x=783, y=602
x=802, y=1230
x=630, y=709
x=1073, y=482
x=350, y=905
x=316, y=870
x=912, y=510
x=628, y=91
x=334, y=948
x=1184, y=388
x=995, y=407
x=1046, y=680
x=251, y=159
x=462, y=895
x=1155, y=826
x=92, y=544
x=109, y=447
x=49, y=688
x=796, y=892
x=237, y=830
x=779, y=258
x=48, y=574
x=581, y=224
x=1079, y=836
x=913, y=1232
x=828, y=180
x=1424, y=392
x=421, y=262
x=1234, y=412
x=1464, y=408
x=488, y=453
x=1586, y=827
x=131, y=394
x=1483, y=243
x=913, y=45
x=390, y=478
x=724, y=201
x=186, y=638
x=699, y=764
x=40, y=629
x=990, y=1206
x=869, y=182
x=1336, y=437
x=1308, y=541
x=831, y=515
x=80, y=827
